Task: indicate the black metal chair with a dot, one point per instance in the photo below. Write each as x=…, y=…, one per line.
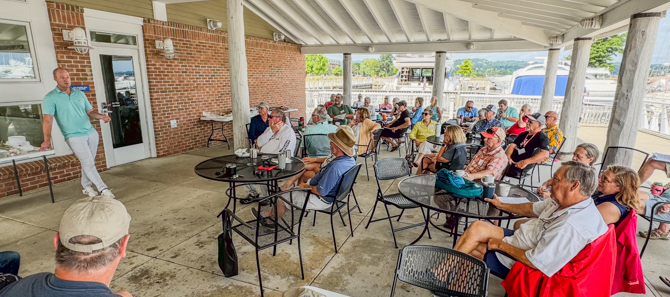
x=550, y=163
x=341, y=201
x=651, y=219
x=251, y=144
x=443, y=271
x=296, y=152
x=262, y=237
x=521, y=176
x=316, y=144
x=370, y=153
x=391, y=169
x=619, y=150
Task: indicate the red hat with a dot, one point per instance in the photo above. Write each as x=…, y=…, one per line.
x=494, y=132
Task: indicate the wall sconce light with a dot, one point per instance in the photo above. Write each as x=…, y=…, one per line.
x=471, y=46
x=214, y=24
x=371, y=49
x=78, y=36
x=278, y=36
x=167, y=46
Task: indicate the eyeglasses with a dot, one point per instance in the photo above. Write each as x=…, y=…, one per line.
x=468, y=107
x=425, y=113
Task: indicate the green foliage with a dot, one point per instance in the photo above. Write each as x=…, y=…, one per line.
x=356, y=69
x=369, y=67
x=316, y=64
x=603, y=51
x=386, y=67
x=483, y=67
x=337, y=71
x=466, y=68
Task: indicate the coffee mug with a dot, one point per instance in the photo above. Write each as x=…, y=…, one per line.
x=489, y=179
x=503, y=190
x=460, y=173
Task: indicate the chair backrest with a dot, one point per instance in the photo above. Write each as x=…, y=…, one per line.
x=347, y=182
x=621, y=155
x=376, y=137
x=297, y=147
x=316, y=145
x=391, y=168
x=558, y=151
x=442, y=270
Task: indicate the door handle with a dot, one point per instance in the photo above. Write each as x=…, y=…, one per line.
x=105, y=108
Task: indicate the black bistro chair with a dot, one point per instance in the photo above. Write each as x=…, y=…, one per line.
x=549, y=163
x=262, y=237
x=370, y=153
x=443, y=271
x=651, y=219
x=341, y=201
x=296, y=152
x=391, y=169
x=617, y=150
x=521, y=176
x=251, y=144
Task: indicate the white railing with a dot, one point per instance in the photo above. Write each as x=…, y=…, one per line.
x=336, y=82
x=596, y=111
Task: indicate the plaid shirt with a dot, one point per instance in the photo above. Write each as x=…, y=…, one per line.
x=495, y=160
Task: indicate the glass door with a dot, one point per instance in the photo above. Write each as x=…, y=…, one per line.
x=121, y=97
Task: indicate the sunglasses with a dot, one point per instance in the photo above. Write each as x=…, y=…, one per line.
x=425, y=113
x=468, y=107
x=490, y=131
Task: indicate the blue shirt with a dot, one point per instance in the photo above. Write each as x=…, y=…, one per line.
x=46, y=284
x=623, y=211
x=257, y=127
x=418, y=115
x=69, y=112
x=436, y=116
x=462, y=112
x=327, y=181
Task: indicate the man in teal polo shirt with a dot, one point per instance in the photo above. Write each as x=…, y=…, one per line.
x=73, y=112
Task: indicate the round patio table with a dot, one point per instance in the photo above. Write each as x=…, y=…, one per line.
x=421, y=190
x=247, y=173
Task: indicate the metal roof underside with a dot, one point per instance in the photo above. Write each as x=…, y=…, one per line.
x=396, y=26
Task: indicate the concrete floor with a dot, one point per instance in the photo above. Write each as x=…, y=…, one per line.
x=172, y=249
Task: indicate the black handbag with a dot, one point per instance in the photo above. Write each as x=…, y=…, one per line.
x=227, y=253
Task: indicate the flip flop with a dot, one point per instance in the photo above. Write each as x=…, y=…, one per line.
x=665, y=280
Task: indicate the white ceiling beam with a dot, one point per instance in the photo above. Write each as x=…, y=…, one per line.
x=321, y=22
x=553, y=28
x=464, y=11
x=536, y=21
x=541, y=9
x=446, y=25
x=605, y=3
x=512, y=45
x=617, y=17
x=501, y=8
x=272, y=22
x=567, y=5
x=179, y=1
x=277, y=17
x=423, y=17
x=302, y=22
x=381, y=21
x=401, y=15
x=359, y=20
x=328, y=8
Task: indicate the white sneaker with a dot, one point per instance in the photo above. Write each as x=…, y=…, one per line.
x=107, y=193
x=90, y=192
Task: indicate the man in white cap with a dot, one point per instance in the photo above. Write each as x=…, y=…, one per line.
x=90, y=243
x=324, y=185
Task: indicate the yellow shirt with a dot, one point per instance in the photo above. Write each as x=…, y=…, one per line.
x=420, y=131
x=555, y=136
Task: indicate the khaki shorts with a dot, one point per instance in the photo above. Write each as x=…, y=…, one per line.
x=315, y=202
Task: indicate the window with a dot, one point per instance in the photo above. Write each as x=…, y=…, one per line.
x=113, y=38
x=22, y=120
x=17, y=57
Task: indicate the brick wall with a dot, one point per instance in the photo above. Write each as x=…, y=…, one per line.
x=197, y=79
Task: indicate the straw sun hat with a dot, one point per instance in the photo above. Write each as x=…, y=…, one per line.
x=344, y=140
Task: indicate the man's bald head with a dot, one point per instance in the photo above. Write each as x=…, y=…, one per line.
x=551, y=117
x=62, y=78
x=59, y=69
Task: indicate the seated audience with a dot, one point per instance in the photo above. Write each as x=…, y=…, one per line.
x=452, y=154
x=331, y=102
x=562, y=225
x=489, y=122
x=491, y=159
x=520, y=125
x=506, y=114
x=647, y=200
x=395, y=112
x=358, y=103
x=278, y=137
x=9, y=262
x=363, y=128
x=651, y=165
x=398, y=127
x=386, y=105
x=421, y=131
x=324, y=185
x=437, y=112
x=468, y=113
x=259, y=123
x=90, y=243
x=552, y=131
x=314, y=147
x=585, y=153
x=529, y=148
x=369, y=107
x=617, y=194
x=340, y=113
x=418, y=111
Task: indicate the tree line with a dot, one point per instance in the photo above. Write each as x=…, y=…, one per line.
x=381, y=67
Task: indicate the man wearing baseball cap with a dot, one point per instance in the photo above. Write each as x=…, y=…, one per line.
x=259, y=122
x=324, y=185
x=90, y=243
x=529, y=147
x=491, y=159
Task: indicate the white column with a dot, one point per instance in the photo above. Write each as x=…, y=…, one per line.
x=574, y=93
x=628, y=100
x=239, y=87
x=549, y=87
x=438, y=79
x=346, y=79
x=664, y=120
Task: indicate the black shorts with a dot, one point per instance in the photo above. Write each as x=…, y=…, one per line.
x=390, y=134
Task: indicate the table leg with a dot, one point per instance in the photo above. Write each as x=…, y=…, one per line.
x=210, y=134
x=424, y=229
x=224, y=135
x=46, y=168
x=16, y=176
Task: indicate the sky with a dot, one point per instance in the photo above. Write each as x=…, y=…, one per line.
x=661, y=51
